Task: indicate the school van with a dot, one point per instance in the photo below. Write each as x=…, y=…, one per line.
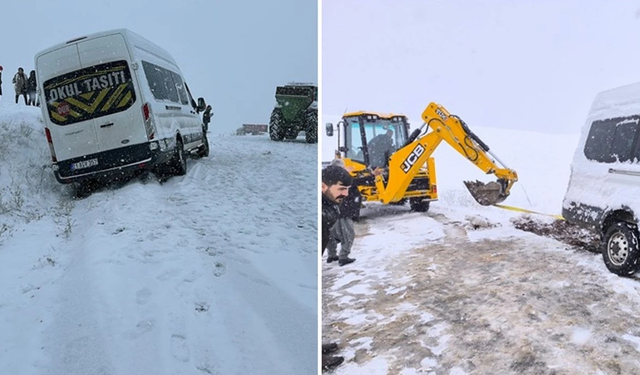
x=114, y=103
x=603, y=193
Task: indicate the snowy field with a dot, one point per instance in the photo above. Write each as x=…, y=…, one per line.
x=459, y=290
x=214, y=272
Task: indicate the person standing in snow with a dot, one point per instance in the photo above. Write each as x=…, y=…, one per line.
x=343, y=232
x=20, y=84
x=206, y=118
x=31, y=88
x=335, y=187
x=0, y=81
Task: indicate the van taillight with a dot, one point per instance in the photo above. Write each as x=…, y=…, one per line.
x=50, y=141
x=145, y=111
x=146, y=115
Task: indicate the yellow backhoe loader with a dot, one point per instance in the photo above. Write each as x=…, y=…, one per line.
x=369, y=140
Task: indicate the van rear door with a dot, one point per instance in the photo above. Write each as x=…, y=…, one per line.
x=112, y=89
x=72, y=133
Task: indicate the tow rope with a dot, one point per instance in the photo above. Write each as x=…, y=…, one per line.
x=559, y=217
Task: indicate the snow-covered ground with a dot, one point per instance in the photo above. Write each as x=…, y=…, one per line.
x=214, y=272
x=459, y=290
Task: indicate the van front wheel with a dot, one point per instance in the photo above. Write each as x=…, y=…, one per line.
x=179, y=161
x=620, y=249
x=203, y=150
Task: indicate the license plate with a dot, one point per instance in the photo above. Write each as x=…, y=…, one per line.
x=84, y=164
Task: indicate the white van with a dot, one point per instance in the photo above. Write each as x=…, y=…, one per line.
x=114, y=103
x=604, y=186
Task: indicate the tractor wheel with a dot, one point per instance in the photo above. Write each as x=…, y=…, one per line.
x=419, y=205
x=311, y=126
x=291, y=134
x=276, y=131
x=620, y=249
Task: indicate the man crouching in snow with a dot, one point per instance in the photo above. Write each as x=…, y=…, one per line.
x=335, y=187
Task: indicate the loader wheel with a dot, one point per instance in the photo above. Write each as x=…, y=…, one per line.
x=620, y=249
x=311, y=125
x=275, y=126
x=419, y=205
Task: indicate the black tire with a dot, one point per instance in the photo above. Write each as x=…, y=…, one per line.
x=203, y=151
x=179, y=160
x=620, y=250
x=291, y=134
x=276, y=132
x=311, y=127
x=419, y=205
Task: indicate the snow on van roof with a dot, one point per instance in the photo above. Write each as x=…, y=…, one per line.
x=134, y=38
x=301, y=84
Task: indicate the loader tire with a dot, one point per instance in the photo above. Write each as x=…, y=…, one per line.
x=419, y=205
x=276, y=131
x=620, y=250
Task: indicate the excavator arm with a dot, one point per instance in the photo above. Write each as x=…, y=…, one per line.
x=406, y=162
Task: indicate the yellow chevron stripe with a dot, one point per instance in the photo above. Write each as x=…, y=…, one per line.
x=56, y=116
x=113, y=97
x=87, y=95
x=89, y=109
x=124, y=100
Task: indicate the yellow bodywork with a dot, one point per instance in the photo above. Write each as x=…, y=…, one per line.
x=407, y=161
x=414, y=162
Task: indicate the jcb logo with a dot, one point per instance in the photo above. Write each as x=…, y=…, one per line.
x=412, y=158
x=441, y=114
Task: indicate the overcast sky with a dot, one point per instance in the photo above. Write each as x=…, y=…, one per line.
x=527, y=64
x=233, y=53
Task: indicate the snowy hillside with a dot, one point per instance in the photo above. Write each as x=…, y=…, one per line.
x=214, y=272
x=460, y=290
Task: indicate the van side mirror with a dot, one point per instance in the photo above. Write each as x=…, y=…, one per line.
x=201, y=104
x=329, y=129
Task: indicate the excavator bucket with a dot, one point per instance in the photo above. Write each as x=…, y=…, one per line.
x=486, y=194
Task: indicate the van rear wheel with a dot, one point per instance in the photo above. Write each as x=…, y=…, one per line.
x=620, y=250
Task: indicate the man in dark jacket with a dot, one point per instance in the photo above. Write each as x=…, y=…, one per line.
x=343, y=232
x=335, y=187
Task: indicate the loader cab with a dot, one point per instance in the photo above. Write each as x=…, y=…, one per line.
x=365, y=137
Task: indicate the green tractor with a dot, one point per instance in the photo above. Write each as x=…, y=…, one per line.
x=296, y=110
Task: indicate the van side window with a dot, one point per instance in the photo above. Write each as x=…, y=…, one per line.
x=182, y=92
x=613, y=140
x=161, y=82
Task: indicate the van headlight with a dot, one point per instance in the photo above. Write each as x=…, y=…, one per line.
x=153, y=146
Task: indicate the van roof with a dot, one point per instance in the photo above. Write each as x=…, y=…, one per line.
x=132, y=37
x=617, y=96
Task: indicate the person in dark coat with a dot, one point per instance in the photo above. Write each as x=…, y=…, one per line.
x=335, y=187
x=343, y=231
x=31, y=88
x=206, y=118
x=20, y=84
x=380, y=148
x=0, y=80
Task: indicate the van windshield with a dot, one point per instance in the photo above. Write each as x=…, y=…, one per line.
x=89, y=93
